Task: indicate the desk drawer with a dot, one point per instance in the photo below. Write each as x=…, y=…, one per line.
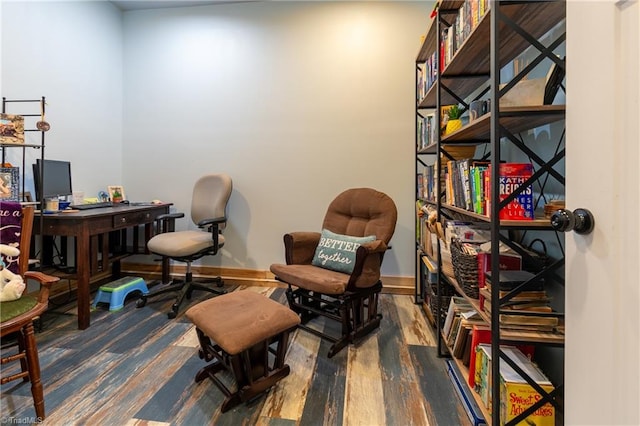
x=124, y=220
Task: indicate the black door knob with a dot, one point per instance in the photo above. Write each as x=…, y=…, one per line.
x=580, y=220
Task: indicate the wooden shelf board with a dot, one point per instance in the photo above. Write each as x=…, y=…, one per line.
x=515, y=119
x=429, y=149
x=20, y=145
x=539, y=222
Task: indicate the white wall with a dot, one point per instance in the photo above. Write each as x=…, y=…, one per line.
x=71, y=53
x=297, y=101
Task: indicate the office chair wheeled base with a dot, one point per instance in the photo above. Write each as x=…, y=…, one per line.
x=185, y=288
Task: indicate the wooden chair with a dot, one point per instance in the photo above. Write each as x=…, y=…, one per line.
x=16, y=317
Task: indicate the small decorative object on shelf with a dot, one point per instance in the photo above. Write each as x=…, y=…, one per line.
x=42, y=125
x=453, y=123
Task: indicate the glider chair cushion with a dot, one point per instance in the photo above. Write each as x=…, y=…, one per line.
x=315, y=288
x=209, y=200
x=17, y=316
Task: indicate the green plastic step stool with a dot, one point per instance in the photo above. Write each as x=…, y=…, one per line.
x=116, y=291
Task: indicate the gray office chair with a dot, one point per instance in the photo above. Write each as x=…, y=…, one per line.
x=211, y=194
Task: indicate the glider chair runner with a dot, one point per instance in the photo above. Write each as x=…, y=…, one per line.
x=211, y=194
x=17, y=316
x=350, y=297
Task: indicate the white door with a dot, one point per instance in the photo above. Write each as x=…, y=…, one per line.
x=602, y=364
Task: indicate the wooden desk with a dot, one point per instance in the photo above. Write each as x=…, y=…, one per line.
x=87, y=225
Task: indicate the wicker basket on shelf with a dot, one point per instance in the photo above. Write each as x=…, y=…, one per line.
x=465, y=267
x=446, y=292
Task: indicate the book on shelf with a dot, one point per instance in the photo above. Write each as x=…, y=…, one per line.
x=516, y=395
x=466, y=20
x=511, y=177
x=457, y=304
x=507, y=261
x=514, y=279
x=465, y=186
x=532, y=315
x=482, y=334
x=479, y=334
x=529, y=320
x=463, y=337
x=460, y=319
x=522, y=297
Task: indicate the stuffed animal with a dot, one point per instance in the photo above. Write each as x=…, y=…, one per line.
x=11, y=285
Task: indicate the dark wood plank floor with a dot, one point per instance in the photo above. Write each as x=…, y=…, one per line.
x=135, y=366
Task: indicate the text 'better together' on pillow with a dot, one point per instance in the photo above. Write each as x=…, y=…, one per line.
x=338, y=252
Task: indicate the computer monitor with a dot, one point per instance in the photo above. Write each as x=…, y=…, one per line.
x=55, y=178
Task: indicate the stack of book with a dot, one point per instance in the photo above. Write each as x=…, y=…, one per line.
x=528, y=308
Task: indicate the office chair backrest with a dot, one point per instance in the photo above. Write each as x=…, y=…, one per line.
x=210, y=196
x=360, y=212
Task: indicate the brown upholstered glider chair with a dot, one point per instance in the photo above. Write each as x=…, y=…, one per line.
x=17, y=316
x=336, y=273
x=209, y=200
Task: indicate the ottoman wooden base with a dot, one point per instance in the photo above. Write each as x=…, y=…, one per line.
x=246, y=334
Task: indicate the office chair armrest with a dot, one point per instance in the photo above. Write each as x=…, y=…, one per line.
x=45, y=281
x=167, y=222
x=366, y=271
x=169, y=216
x=299, y=247
x=208, y=222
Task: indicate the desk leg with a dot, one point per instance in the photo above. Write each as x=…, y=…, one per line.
x=84, y=275
x=148, y=234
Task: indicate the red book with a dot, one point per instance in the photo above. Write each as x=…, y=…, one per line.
x=512, y=176
x=479, y=334
x=507, y=262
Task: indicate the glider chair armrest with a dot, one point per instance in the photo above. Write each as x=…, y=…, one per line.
x=299, y=247
x=167, y=222
x=45, y=282
x=366, y=271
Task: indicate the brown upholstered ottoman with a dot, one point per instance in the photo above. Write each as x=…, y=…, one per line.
x=247, y=334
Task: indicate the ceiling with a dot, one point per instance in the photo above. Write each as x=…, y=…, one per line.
x=125, y=5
